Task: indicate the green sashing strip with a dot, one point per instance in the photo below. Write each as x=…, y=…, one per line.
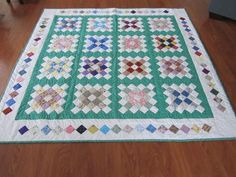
x=114, y=81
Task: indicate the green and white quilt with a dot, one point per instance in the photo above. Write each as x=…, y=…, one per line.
x=115, y=75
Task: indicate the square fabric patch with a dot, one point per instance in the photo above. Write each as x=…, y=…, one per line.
x=114, y=75
x=47, y=99
x=95, y=43
x=92, y=98
x=134, y=43
x=95, y=67
x=132, y=68
x=130, y=24
x=137, y=98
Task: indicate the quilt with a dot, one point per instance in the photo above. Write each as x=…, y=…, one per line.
x=115, y=75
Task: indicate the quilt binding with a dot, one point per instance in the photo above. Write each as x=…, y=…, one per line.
x=212, y=69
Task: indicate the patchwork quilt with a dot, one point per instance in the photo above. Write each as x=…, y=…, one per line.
x=114, y=75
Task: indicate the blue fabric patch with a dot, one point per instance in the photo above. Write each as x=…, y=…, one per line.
x=23, y=130
x=188, y=101
x=22, y=72
x=10, y=102
x=151, y=128
x=175, y=93
x=104, y=129
x=195, y=48
x=46, y=130
x=27, y=60
x=185, y=93
x=17, y=86
x=178, y=101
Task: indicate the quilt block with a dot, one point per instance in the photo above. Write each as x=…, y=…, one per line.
x=115, y=75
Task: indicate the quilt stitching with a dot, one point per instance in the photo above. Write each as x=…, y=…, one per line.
x=68, y=24
x=130, y=24
x=173, y=67
x=137, y=60
x=93, y=98
x=99, y=24
x=116, y=129
x=56, y=67
x=132, y=43
x=63, y=43
x=97, y=43
x=166, y=43
x=95, y=67
x=137, y=98
x=211, y=82
x=137, y=67
x=47, y=99
x=11, y=100
x=182, y=98
x=160, y=24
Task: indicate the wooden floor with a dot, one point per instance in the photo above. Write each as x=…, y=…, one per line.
x=195, y=159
